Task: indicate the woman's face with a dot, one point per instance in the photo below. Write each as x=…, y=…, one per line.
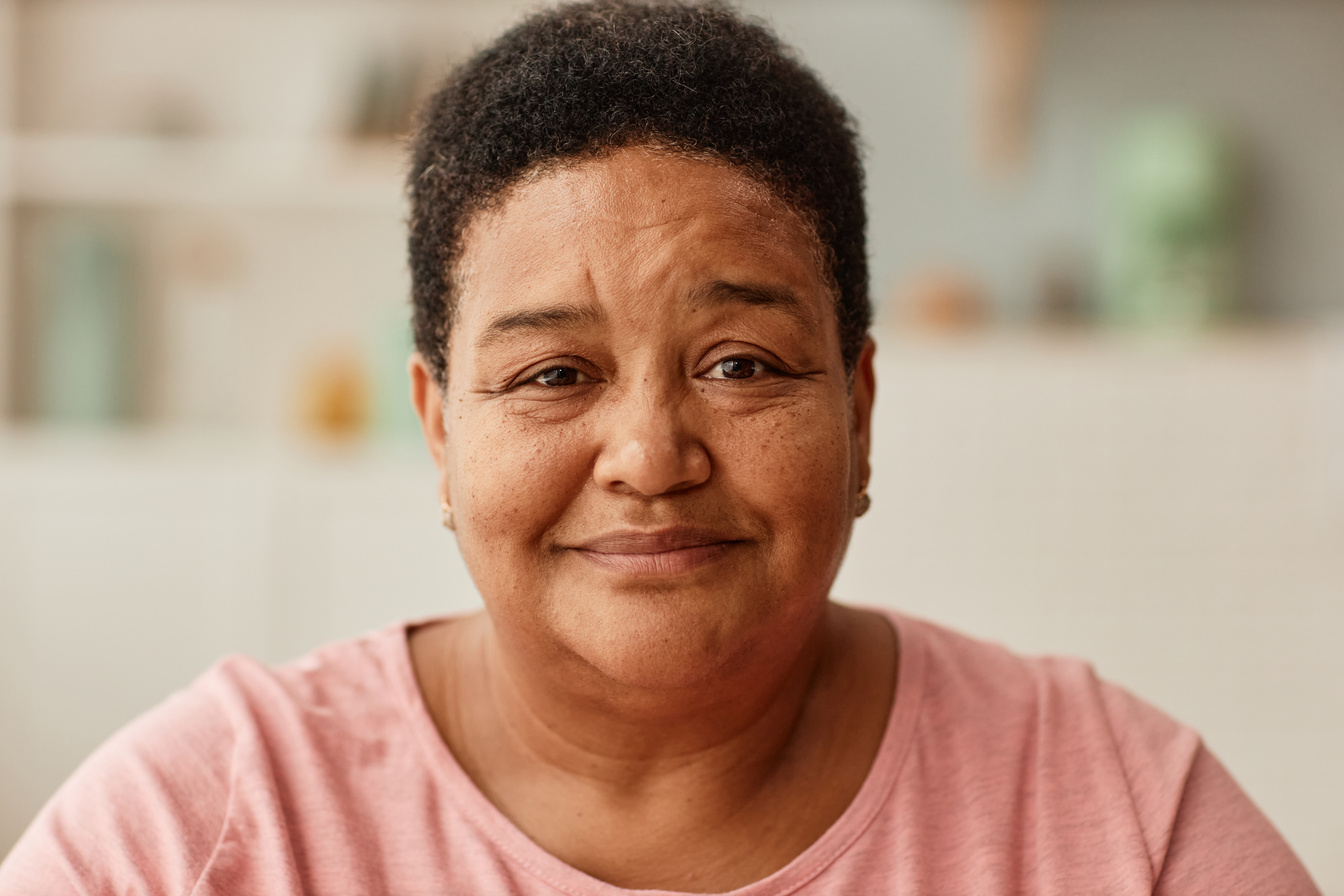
x=649, y=442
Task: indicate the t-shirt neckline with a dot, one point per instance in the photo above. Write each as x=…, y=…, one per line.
x=522, y=851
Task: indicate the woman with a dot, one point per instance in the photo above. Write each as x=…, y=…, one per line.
x=644, y=375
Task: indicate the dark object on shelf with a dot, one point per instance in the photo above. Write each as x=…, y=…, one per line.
x=1064, y=300
x=386, y=99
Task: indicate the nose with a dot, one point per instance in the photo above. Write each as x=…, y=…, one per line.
x=652, y=447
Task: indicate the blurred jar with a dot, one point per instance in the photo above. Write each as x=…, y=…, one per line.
x=85, y=322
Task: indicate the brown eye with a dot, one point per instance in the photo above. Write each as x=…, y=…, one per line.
x=736, y=368
x=558, y=376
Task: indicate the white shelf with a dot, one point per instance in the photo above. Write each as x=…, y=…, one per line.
x=159, y=172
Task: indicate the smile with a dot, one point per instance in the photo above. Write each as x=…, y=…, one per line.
x=667, y=552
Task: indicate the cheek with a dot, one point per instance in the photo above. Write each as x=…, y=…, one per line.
x=796, y=467
x=510, y=481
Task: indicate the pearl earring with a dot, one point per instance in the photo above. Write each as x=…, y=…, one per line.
x=447, y=515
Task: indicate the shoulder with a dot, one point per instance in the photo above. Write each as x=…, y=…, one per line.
x=1087, y=775
x=968, y=681
x=1042, y=743
x=146, y=810
x=350, y=684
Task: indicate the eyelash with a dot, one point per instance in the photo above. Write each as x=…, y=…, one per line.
x=761, y=368
x=537, y=377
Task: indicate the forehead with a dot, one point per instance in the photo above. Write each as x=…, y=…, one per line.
x=620, y=183
x=628, y=217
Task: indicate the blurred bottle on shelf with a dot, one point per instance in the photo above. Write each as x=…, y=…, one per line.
x=1170, y=233
x=85, y=322
x=202, y=327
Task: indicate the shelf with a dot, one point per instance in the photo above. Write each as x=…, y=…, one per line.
x=166, y=445
x=159, y=172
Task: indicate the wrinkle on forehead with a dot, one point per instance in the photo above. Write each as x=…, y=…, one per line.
x=622, y=190
x=668, y=167
x=610, y=195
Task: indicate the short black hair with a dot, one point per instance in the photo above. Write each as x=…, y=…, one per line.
x=584, y=79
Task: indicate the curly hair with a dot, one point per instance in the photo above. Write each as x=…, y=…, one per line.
x=585, y=79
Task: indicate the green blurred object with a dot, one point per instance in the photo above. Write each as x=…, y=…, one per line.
x=1172, y=197
x=394, y=417
x=86, y=324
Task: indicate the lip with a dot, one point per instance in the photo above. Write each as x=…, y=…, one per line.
x=656, y=552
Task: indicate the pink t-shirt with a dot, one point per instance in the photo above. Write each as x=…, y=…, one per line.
x=996, y=774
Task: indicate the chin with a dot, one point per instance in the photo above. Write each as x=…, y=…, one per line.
x=674, y=640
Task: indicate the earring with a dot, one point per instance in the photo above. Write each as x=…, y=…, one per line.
x=864, y=503
x=447, y=517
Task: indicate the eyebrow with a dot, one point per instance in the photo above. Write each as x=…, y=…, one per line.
x=538, y=320
x=560, y=317
x=722, y=292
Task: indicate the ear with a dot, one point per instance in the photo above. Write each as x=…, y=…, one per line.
x=428, y=401
x=862, y=394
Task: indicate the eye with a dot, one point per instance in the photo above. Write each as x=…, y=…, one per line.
x=560, y=376
x=735, y=369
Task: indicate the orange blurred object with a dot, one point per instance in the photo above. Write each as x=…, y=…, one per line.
x=944, y=299
x=1009, y=46
x=335, y=398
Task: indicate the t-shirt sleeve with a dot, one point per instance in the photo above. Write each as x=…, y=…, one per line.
x=141, y=815
x=1222, y=844
x=1204, y=835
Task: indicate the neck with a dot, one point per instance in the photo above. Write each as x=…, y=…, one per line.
x=556, y=709
x=703, y=787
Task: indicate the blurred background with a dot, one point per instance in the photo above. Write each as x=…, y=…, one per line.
x=1107, y=242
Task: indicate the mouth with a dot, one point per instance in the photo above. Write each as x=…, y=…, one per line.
x=659, y=553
